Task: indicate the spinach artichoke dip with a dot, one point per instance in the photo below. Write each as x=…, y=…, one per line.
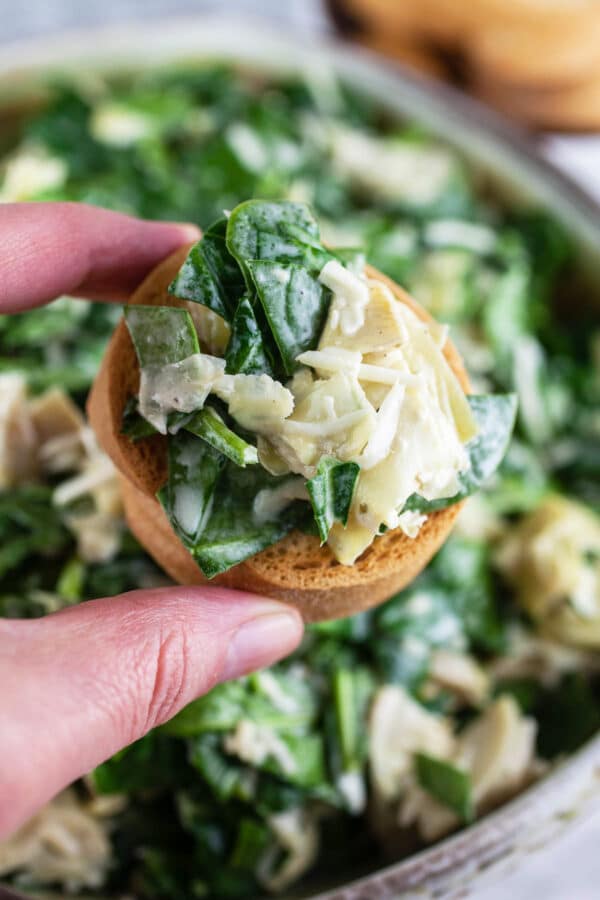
x=386, y=730
x=332, y=392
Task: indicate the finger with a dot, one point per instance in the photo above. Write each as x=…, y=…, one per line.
x=48, y=249
x=82, y=683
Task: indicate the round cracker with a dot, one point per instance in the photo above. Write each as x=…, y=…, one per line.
x=415, y=56
x=521, y=13
x=296, y=570
x=537, y=55
x=574, y=108
x=438, y=20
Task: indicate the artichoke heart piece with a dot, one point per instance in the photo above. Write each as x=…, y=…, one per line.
x=422, y=354
x=426, y=454
x=553, y=561
x=382, y=328
x=334, y=418
x=257, y=402
x=415, y=443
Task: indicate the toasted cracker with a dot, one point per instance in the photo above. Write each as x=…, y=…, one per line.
x=537, y=55
x=573, y=108
x=414, y=55
x=296, y=570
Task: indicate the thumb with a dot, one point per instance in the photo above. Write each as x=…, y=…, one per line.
x=80, y=684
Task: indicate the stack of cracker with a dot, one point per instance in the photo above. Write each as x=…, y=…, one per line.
x=536, y=60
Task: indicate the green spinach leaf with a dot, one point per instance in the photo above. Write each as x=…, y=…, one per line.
x=271, y=231
x=29, y=524
x=452, y=604
x=448, y=784
x=295, y=304
x=210, y=275
x=352, y=691
x=232, y=534
x=247, y=351
x=208, y=425
x=331, y=491
x=277, y=247
x=161, y=334
x=194, y=470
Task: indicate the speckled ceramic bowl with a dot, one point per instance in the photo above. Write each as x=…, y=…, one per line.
x=460, y=864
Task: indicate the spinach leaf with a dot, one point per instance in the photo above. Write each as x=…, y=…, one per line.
x=448, y=784
x=252, y=839
x=63, y=347
x=63, y=128
x=247, y=351
x=194, y=470
x=295, y=304
x=150, y=763
x=161, y=334
x=232, y=533
x=306, y=755
x=222, y=708
x=261, y=230
x=208, y=425
x=506, y=312
x=29, y=524
x=451, y=604
x=331, y=491
x=277, y=247
x=129, y=570
x=304, y=765
x=210, y=275
x=225, y=776
x=59, y=321
x=568, y=714
x=352, y=691
x=495, y=416
x=71, y=581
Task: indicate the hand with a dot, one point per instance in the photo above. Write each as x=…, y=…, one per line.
x=79, y=684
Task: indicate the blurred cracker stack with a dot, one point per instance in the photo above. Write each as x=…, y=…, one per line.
x=536, y=60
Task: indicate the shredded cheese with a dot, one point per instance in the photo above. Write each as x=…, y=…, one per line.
x=350, y=296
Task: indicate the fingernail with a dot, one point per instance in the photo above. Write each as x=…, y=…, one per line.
x=261, y=642
x=189, y=231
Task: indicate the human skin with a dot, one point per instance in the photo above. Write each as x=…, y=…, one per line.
x=79, y=684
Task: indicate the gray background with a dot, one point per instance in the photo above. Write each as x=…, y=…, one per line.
x=27, y=18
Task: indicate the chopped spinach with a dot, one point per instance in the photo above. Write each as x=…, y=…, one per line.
x=452, y=605
x=247, y=351
x=448, y=784
x=331, y=491
x=210, y=275
x=232, y=533
x=352, y=691
x=161, y=334
x=187, y=498
x=208, y=425
x=278, y=249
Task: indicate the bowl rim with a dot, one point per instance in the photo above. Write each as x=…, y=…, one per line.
x=132, y=46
